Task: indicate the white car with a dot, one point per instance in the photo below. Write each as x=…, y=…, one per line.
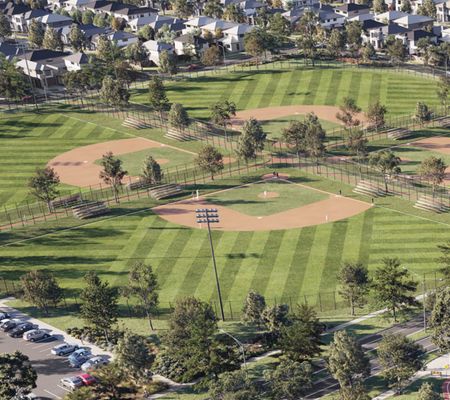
x=35, y=334
x=93, y=362
x=4, y=315
x=64, y=348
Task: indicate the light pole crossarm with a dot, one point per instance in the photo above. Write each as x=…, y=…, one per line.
x=242, y=347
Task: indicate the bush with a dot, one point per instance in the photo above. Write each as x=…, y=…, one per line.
x=168, y=367
x=156, y=387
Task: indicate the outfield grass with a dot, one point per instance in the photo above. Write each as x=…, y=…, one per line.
x=168, y=158
x=274, y=127
x=247, y=201
x=416, y=155
x=271, y=88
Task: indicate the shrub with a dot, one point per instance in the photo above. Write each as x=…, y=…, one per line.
x=156, y=387
x=168, y=367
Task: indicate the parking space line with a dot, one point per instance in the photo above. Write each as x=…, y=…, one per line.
x=63, y=388
x=52, y=394
x=44, y=344
x=66, y=360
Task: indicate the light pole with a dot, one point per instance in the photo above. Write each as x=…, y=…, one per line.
x=423, y=296
x=209, y=218
x=243, y=350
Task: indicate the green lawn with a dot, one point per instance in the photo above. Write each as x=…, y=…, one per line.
x=274, y=127
x=168, y=158
x=416, y=155
x=258, y=89
x=246, y=199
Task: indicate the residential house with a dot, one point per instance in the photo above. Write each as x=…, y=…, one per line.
x=301, y=3
x=414, y=22
x=55, y=21
x=138, y=23
x=11, y=10
x=411, y=38
x=217, y=24
x=197, y=23
x=76, y=62
x=128, y=14
x=377, y=36
x=443, y=11
x=419, y=3
x=330, y=18
x=120, y=37
x=155, y=48
x=352, y=10
x=10, y=51
x=89, y=31
x=78, y=4
x=389, y=17
x=182, y=41
x=233, y=39
x=21, y=22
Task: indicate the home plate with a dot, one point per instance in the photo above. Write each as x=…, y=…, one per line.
x=84, y=161
x=259, y=217
x=296, y=113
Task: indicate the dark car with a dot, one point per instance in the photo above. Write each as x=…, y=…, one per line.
x=6, y=327
x=3, y=315
x=78, y=362
x=19, y=330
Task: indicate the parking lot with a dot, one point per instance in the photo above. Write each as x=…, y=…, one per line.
x=50, y=368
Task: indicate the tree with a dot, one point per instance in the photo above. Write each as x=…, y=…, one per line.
x=213, y=9
x=397, y=51
x=432, y=169
x=262, y=17
x=43, y=185
x=40, y=289
x=368, y=3
x=143, y=285
x=307, y=27
x=166, y=35
x=221, y=113
x=5, y=29
x=289, y=380
x=76, y=16
x=346, y=360
x=83, y=393
x=137, y=53
x=294, y=136
x=400, y=359
x=254, y=306
x=421, y=113
x=375, y=114
x=183, y=8
x=167, y=64
x=254, y=45
x=151, y=171
x=234, y=386
x=116, y=24
x=348, y=112
x=146, y=33
x=234, y=13
x=423, y=49
x=87, y=18
x=428, y=392
x=386, y=162
x=52, y=41
x=157, y=96
x=107, y=381
x=357, y=392
x=354, y=282
x=100, y=21
x=439, y=322
x=368, y=52
x=314, y=137
x=337, y=42
x=113, y=92
x=16, y=378
x=251, y=140
x=209, y=160
x=393, y=286
x=357, y=144
x=13, y=82
x=112, y=173
x=125, y=75
x=212, y=57
x=35, y=33
x=303, y=339
x=77, y=39
x=406, y=7
x=75, y=83
x=178, y=116
x=429, y=8
x=280, y=27
x=354, y=39
x=379, y=6
x=133, y=357
x=100, y=303
x=275, y=316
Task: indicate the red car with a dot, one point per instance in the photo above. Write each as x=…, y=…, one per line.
x=193, y=66
x=26, y=98
x=87, y=379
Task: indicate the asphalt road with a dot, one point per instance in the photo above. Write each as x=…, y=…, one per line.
x=50, y=368
x=330, y=385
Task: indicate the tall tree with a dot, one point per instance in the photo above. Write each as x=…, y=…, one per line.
x=116, y=24
x=76, y=16
x=397, y=51
x=393, y=286
x=348, y=113
x=251, y=140
x=151, y=171
x=77, y=39
x=100, y=303
x=166, y=35
x=432, y=169
x=133, y=357
x=406, y=7
x=213, y=9
x=146, y=33
x=234, y=386
x=354, y=282
x=254, y=306
x=280, y=27
x=52, y=41
x=143, y=284
x=212, y=57
x=314, y=137
x=379, y=6
x=5, y=29
x=16, y=378
x=368, y=52
x=354, y=39
x=157, y=96
x=275, y=316
x=308, y=28
x=429, y=8
x=375, y=114
x=209, y=160
x=13, y=82
x=221, y=113
x=41, y=289
x=289, y=380
x=114, y=93
x=234, y=13
x=357, y=392
x=87, y=18
x=294, y=136
x=75, y=83
x=254, y=45
x=137, y=53
x=346, y=360
x=421, y=113
x=183, y=8
x=399, y=358
x=100, y=21
x=178, y=116
x=35, y=33
x=357, y=143
x=337, y=42
x=386, y=162
x=167, y=64
x=43, y=185
x=428, y=392
x=440, y=321
x=112, y=173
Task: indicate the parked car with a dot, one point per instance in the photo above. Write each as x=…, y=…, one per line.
x=79, y=357
x=64, y=348
x=19, y=330
x=72, y=382
x=4, y=315
x=26, y=98
x=29, y=396
x=193, y=66
x=10, y=324
x=93, y=362
x=35, y=334
x=87, y=379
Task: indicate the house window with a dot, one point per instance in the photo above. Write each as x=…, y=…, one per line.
x=228, y=46
x=356, y=12
x=124, y=40
x=237, y=47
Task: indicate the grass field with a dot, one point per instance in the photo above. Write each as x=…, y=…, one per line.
x=260, y=89
x=245, y=199
x=171, y=158
x=416, y=155
x=274, y=127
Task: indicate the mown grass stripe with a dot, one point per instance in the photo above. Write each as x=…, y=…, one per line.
x=291, y=89
x=270, y=90
x=313, y=87
x=333, y=88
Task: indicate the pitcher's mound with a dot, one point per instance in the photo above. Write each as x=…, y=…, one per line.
x=268, y=195
x=162, y=160
x=280, y=176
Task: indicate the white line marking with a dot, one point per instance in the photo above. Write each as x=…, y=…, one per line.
x=63, y=388
x=52, y=394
